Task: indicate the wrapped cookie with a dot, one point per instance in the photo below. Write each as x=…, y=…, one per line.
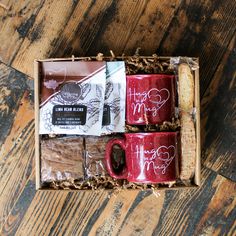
x=95, y=153
x=62, y=159
x=186, y=87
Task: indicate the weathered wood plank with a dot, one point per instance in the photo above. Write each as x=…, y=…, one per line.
x=182, y=210
x=83, y=206
x=15, y=170
x=108, y=25
x=219, y=117
x=21, y=205
x=219, y=217
x=15, y=22
x=113, y=215
x=202, y=29
x=78, y=32
x=12, y=87
x=60, y=213
x=134, y=214
x=49, y=23
x=117, y=27
x=78, y=212
x=42, y=213
x=83, y=26
x=143, y=215
x=150, y=29
x=17, y=140
x=74, y=213
x=16, y=107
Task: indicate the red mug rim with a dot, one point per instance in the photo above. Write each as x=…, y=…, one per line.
x=151, y=75
x=153, y=133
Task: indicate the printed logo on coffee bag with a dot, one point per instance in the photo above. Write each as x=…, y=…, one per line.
x=71, y=92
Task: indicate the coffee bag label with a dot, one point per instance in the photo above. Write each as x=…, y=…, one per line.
x=73, y=99
x=69, y=115
x=115, y=97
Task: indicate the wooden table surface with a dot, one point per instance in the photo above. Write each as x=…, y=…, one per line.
x=61, y=28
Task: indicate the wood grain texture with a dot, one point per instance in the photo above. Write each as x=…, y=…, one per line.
x=62, y=213
x=146, y=205
x=59, y=28
x=15, y=166
x=213, y=221
x=19, y=208
x=151, y=27
x=169, y=212
x=12, y=87
x=15, y=23
x=202, y=29
x=17, y=149
x=49, y=22
x=204, y=211
x=219, y=116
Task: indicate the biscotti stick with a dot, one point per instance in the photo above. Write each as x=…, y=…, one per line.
x=188, y=146
x=187, y=132
x=186, y=88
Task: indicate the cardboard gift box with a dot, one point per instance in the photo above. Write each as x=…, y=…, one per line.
x=151, y=64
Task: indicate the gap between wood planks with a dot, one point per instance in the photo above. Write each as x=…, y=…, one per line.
x=11, y=67
x=231, y=180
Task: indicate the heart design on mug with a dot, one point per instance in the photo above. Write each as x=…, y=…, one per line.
x=151, y=100
x=166, y=155
x=158, y=97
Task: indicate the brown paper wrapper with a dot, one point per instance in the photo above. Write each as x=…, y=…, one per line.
x=62, y=159
x=95, y=148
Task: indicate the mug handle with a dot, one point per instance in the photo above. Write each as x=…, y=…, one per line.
x=110, y=144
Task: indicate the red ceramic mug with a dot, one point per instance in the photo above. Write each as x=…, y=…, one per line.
x=149, y=157
x=150, y=99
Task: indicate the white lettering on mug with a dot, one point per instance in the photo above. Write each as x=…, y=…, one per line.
x=163, y=155
x=153, y=96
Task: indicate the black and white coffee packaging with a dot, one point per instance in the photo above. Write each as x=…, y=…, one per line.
x=114, y=105
x=91, y=102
